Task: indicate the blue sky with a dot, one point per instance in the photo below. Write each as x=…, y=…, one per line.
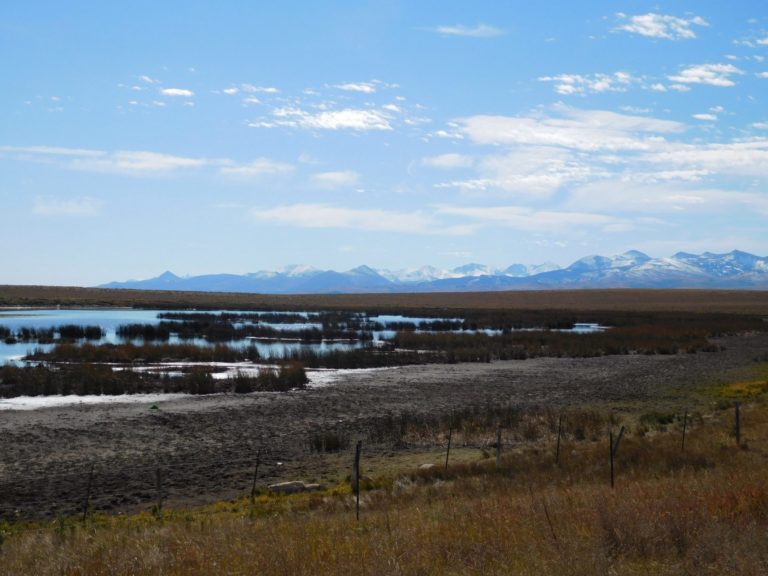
x=235, y=136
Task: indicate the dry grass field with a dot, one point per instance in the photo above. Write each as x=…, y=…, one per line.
x=697, y=509
x=727, y=301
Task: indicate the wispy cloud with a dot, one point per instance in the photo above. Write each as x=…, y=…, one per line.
x=252, y=89
x=258, y=167
x=136, y=162
x=711, y=74
x=84, y=206
x=661, y=25
x=587, y=130
x=247, y=89
x=328, y=216
x=364, y=87
x=478, y=31
x=449, y=161
x=567, y=84
x=177, y=92
x=143, y=162
x=337, y=179
x=531, y=220
x=529, y=171
x=548, y=156
x=355, y=119
x=129, y=162
x=51, y=151
x=622, y=196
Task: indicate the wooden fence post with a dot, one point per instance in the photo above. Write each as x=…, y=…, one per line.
x=614, y=448
x=498, y=448
x=356, y=478
x=87, y=501
x=159, y=487
x=255, y=476
x=448, y=451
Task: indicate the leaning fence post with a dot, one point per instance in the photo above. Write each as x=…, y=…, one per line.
x=685, y=425
x=448, y=451
x=498, y=448
x=559, y=432
x=255, y=475
x=356, y=478
x=87, y=501
x=738, y=423
x=159, y=487
x=613, y=448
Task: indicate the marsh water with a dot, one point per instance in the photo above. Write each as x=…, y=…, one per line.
x=110, y=319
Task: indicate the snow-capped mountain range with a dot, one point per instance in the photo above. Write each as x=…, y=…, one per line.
x=631, y=269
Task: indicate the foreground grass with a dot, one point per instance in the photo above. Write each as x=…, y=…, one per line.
x=701, y=511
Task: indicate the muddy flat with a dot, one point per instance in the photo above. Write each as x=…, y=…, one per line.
x=197, y=449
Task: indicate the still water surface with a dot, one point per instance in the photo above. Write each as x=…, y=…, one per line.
x=109, y=319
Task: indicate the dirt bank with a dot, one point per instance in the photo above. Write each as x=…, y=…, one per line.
x=204, y=447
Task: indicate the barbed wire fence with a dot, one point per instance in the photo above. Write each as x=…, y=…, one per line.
x=112, y=485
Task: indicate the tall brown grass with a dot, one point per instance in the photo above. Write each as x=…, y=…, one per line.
x=702, y=511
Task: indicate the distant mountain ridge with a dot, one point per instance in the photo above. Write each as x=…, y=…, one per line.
x=632, y=269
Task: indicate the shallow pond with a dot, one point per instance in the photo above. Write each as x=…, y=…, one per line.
x=109, y=319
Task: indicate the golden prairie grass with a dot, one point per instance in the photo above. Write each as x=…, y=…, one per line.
x=701, y=511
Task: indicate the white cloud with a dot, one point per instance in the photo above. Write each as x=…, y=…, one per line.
x=371, y=220
x=747, y=157
x=231, y=91
x=148, y=79
x=346, y=119
x=123, y=162
x=51, y=151
x=449, y=161
x=364, y=87
x=661, y=25
x=132, y=162
x=533, y=171
x=568, y=84
x=760, y=125
x=710, y=74
x=250, y=88
x=538, y=156
x=256, y=168
x=84, y=206
x=762, y=74
x=337, y=179
x=622, y=196
x=479, y=31
x=181, y=92
x=588, y=130
x=530, y=220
